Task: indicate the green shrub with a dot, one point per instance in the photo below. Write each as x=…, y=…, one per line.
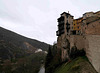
x=76, y=53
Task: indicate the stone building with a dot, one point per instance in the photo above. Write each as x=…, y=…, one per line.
x=65, y=24
x=88, y=14
x=91, y=26
x=85, y=16
x=97, y=13
x=88, y=19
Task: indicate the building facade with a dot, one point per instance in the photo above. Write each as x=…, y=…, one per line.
x=65, y=24
x=77, y=26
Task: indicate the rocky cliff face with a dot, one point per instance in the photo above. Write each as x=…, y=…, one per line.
x=90, y=43
x=64, y=45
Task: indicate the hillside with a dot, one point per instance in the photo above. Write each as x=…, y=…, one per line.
x=13, y=59
x=10, y=51
x=19, y=40
x=17, y=53
x=78, y=65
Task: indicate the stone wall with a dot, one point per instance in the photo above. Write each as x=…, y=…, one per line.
x=62, y=44
x=77, y=40
x=93, y=50
x=91, y=44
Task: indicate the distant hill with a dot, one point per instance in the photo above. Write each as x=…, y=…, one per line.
x=10, y=51
x=20, y=40
x=17, y=53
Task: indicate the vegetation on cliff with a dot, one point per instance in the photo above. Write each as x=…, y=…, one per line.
x=78, y=62
x=27, y=64
x=53, y=59
x=78, y=65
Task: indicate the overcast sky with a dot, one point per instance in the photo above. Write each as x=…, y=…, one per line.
x=37, y=19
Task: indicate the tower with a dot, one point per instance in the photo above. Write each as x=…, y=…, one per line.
x=65, y=24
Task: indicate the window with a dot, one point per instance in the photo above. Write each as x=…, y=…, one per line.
x=78, y=27
x=67, y=21
x=67, y=16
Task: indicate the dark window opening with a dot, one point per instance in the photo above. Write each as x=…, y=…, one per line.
x=67, y=16
x=74, y=32
x=78, y=27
